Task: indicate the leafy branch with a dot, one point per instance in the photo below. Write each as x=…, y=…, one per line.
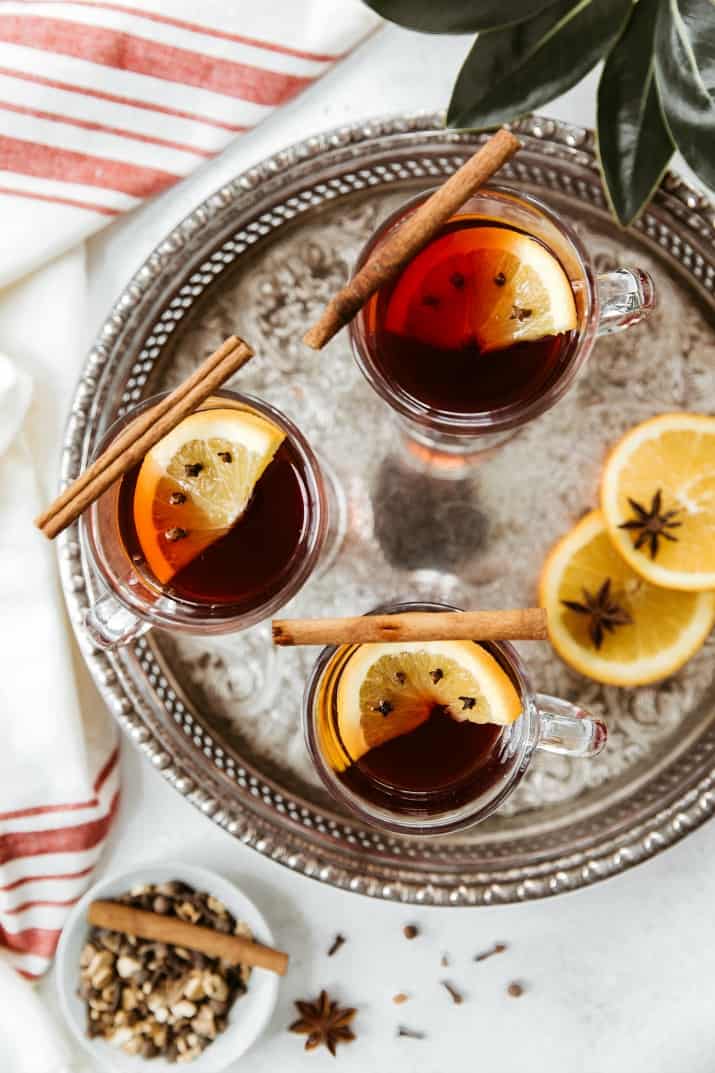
x=656, y=92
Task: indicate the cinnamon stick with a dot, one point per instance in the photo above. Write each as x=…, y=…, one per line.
x=235, y=949
x=522, y=624
x=141, y=435
x=411, y=236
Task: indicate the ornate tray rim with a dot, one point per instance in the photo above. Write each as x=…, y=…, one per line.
x=265, y=820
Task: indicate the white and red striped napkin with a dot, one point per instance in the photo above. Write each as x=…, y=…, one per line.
x=103, y=104
x=59, y=779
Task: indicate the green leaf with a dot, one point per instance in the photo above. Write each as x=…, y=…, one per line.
x=633, y=140
x=685, y=73
x=456, y=16
x=512, y=71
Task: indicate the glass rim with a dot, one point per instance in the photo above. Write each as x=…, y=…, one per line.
x=506, y=418
x=467, y=815
x=184, y=615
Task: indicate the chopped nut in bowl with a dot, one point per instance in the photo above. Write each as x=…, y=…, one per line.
x=129, y=1000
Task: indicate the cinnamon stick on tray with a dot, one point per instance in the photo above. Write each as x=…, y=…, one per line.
x=411, y=236
x=145, y=925
x=522, y=624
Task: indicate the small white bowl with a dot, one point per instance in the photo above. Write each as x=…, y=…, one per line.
x=248, y=1017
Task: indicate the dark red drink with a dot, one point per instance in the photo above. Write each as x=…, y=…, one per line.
x=254, y=559
x=459, y=331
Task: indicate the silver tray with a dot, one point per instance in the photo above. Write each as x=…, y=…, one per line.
x=220, y=718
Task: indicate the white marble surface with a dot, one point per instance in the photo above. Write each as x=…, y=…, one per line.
x=616, y=976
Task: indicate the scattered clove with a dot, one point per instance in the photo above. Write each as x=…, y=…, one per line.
x=455, y=996
x=336, y=944
x=498, y=948
x=409, y=1033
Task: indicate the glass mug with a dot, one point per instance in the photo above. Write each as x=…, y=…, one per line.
x=605, y=303
x=133, y=601
x=546, y=723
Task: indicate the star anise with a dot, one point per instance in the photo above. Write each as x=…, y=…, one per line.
x=604, y=612
x=653, y=524
x=323, y=1021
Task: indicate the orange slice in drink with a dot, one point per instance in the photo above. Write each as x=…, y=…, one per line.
x=488, y=285
x=195, y=484
x=387, y=690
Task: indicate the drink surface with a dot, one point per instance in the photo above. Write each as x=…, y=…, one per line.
x=253, y=560
x=453, y=763
x=437, y=332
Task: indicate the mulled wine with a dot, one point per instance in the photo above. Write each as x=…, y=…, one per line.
x=404, y=727
x=481, y=319
x=251, y=561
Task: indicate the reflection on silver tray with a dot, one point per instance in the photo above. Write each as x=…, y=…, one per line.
x=220, y=717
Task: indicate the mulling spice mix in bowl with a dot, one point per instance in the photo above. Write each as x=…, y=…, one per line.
x=137, y=1003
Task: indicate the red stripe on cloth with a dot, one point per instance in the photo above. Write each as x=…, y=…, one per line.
x=106, y=770
x=37, y=810
x=43, y=809
x=209, y=31
x=60, y=201
x=63, y=840
x=42, y=879
x=87, y=124
x=125, y=52
x=39, y=941
x=67, y=166
x=32, y=905
x=116, y=98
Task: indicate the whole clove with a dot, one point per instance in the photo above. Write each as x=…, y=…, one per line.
x=455, y=995
x=409, y=1033
x=498, y=948
x=336, y=944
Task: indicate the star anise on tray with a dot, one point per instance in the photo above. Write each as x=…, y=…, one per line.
x=604, y=612
x=652, y=523
x=323, y=1021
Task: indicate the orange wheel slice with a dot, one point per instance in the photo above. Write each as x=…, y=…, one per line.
x=658, y=631
x=666, y=463
x=407, y=681
x=486, y=284
x=195, y=484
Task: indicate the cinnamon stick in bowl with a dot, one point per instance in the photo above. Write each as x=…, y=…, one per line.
x=522, y=624
x=411, y=236
x=235, y=949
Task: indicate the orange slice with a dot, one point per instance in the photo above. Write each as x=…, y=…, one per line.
x=659, y=629
x=195, y=484
x=674, y=455
x=485, y=284
x=387, y=690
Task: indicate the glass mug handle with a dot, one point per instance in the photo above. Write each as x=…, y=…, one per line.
x=567, y=729
x=110, y=624
x=625, y=296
